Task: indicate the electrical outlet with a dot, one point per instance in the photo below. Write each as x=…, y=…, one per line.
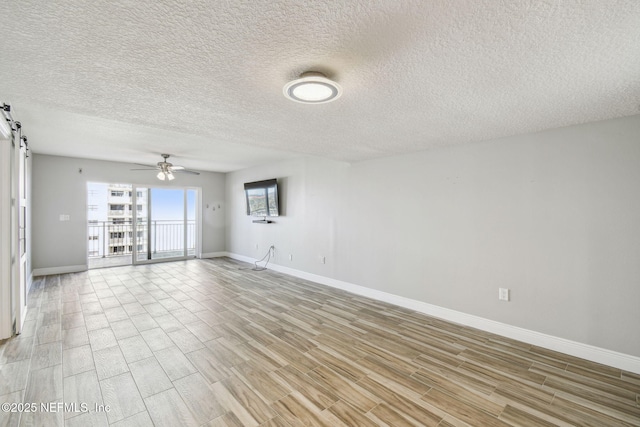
x=503, y=294
x=272, y=250
x=290, y=257
x=323, y=260
x=256, y=246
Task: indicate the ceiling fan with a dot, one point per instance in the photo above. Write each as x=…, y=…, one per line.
x=166, y=169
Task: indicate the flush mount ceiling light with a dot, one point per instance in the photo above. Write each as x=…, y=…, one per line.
x=312, y=88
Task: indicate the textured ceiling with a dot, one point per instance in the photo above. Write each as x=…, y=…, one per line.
x=128, y=79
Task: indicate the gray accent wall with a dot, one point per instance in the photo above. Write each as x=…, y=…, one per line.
x=553, y=216
x=59, y=188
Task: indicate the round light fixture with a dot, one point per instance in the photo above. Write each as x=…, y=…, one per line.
x=312, y=88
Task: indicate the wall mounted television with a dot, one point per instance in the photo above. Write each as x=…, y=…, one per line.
x=262, y=198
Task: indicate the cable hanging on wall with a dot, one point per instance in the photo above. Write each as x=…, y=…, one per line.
x=13, y=126
x=267, y=257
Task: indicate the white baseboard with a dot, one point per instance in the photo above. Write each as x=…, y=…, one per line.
x=562, y=345
x=214, y=254
x=59, y=270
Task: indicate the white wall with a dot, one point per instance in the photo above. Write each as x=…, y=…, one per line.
x=59, y=188
x=310, y=204
x=554, y=216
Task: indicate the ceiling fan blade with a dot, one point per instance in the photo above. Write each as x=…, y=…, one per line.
x=165, y=167
x=186, y=171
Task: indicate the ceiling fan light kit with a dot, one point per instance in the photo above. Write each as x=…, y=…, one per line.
x=166, y=170
x=312, y=88
x=165, y=175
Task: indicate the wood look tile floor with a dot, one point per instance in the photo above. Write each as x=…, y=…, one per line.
x=204, y=343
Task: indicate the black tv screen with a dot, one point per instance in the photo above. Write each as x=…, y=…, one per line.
x=262, y=198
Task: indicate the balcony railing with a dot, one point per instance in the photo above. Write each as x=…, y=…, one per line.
x=107, y=239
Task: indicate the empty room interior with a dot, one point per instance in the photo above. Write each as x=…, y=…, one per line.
x=301, y=213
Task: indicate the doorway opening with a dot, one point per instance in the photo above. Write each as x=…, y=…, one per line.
x=128, y=224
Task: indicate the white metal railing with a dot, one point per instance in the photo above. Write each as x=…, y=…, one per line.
x=107, y=239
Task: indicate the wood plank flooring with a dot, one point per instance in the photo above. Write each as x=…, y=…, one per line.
x=204, y=343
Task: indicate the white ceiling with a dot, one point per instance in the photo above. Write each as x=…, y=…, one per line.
x=128, y=79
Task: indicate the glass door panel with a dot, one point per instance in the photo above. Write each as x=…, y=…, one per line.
x=167, y=223
x=110, y=217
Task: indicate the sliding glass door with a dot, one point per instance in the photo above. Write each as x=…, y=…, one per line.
x=165, y=225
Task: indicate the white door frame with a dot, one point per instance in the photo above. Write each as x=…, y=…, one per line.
x=21, y=283
x=6, y=297
x=13, y=264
